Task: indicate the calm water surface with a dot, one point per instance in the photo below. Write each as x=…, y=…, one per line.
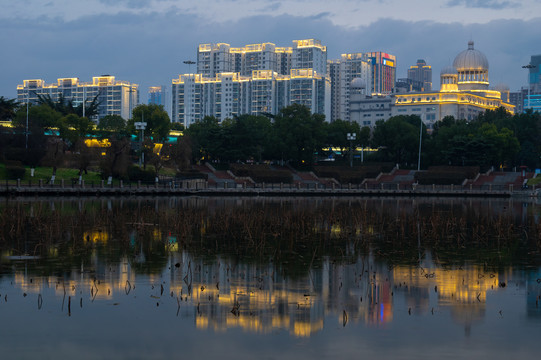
x=270, y=278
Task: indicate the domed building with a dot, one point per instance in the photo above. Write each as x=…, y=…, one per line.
x=464, y=92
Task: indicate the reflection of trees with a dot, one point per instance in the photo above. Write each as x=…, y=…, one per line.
x=294, y=234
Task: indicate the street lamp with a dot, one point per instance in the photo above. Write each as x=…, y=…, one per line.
x=351, y=137
x=529, y=66
x=141, y=125
x=189, y=63
x=420, y=141
x=26, y=132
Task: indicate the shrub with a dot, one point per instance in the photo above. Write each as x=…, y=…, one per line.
x=14, y=172
x=135, y=173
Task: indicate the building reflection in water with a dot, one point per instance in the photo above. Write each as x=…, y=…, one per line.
x=221, y=294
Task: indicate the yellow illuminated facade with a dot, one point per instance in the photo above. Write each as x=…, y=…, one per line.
x=230, y=94
x=115, y=97
x=213, y=59
x=253, y=79
x=464, y=92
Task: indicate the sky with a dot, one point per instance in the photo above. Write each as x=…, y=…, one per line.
x=146, y=41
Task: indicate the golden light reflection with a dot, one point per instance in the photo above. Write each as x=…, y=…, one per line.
x=463, y=286
x=222, y=296
x=96, y=236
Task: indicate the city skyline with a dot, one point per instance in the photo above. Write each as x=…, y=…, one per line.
x=146, y=42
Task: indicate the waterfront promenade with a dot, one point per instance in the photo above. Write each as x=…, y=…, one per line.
x=202, y=188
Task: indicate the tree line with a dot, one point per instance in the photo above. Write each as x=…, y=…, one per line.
x=294, y=135
x=496, y=138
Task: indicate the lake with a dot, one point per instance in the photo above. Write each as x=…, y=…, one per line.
x=270, y=278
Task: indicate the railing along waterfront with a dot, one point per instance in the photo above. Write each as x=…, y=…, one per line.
x=201, y=187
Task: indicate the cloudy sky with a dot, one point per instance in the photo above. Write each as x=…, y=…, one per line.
x=146, y=41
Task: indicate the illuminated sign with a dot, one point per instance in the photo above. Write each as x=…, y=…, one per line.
x=388, y=62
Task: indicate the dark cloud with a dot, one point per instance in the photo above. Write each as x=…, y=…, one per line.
x=130, y=4
x=149, y=49
x=486, y=4
x=273, y=6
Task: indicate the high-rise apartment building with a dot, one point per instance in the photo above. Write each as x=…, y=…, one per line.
x=156, y=95
x=309, y=54
x=114, y=97
x=254, y=79
x=230, y=94
x=342, y=72
x=213, y=59
x=383, y=72
x=421, y=73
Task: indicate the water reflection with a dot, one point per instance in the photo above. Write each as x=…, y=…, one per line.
x=308, y=268
x=222, y=294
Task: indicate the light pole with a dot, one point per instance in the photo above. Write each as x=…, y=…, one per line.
x=26, y=132
x=351, y=137
x=141, y=126
x=420, y=141
x=529, y=66
x=189, y=63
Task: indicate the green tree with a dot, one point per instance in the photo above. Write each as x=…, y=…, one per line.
x=112, y=123
x=66, y=106
x=72, y=127
x=298, y=134
x=206, y=136
x=398, y=138
x=7, y=108
x=245, y=137
x=337, y=134
x=40, y=118
x=157, y=119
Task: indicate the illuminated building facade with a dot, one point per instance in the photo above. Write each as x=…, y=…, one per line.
x=309, y=54
x=114, y=97
x=464, y=92
x=342, y=73
x=421, y=74
x=230, y=94
x=213, y=59
x=383, y=72
x=254, y=79
x=156, y=95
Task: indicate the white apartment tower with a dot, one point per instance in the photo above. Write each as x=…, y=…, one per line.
x=309, y=54
x=254, y=79
x=114, y=97
x=342, y=73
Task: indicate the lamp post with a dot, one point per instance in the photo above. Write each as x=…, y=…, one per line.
x=141, y=126
x=351, y=137
x=529, y=66
x=26, y=132
x=420, y=141
x=189, y=63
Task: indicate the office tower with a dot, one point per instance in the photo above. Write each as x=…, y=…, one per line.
x=420, y=76
x=114, y=97
x=383, y=72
